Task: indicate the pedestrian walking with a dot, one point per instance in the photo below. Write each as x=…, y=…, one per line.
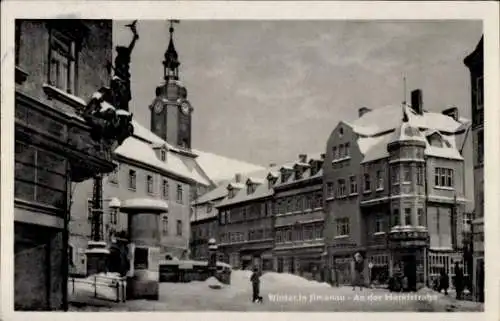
x=444, y=282
x=459, y=281
x=358, y=271
x=255, y=279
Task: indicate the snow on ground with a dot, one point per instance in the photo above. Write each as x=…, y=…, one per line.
x=85, y=287
x=282, y=292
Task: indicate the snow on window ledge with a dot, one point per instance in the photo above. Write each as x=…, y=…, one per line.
x=64, y=97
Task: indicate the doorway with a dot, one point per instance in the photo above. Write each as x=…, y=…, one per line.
x=410, y=271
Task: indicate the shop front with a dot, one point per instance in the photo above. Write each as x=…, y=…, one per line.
x=257, y=255
x=408, y=250
x=304, y=261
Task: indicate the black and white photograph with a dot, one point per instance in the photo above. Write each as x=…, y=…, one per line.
x=192, y=164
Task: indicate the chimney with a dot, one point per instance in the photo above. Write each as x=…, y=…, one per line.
x=451, y=112
x=363, y=110
x=237, y=178
x=416, y=101
x=303, y=158
x=272, y=165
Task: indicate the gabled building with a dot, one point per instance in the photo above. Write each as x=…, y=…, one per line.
x=205, y=215
x=475, y=64
x=299, y=217
x=246, y=226
x=394, y=186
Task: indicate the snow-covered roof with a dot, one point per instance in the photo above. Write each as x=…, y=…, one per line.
x=220, y=168
x=140, y=151
x=388, y=118
x=264, y=190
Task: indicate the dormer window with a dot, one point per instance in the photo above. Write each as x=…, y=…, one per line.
x=230, y=192
x=271, y=180
x=298, y=173
x=163, y=155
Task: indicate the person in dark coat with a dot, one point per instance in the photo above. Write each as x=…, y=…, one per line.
x=444, y=283
x=459, y=281
x=359, y=267
x=255, y=279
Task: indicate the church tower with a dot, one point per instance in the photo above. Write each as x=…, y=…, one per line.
x=171, y=111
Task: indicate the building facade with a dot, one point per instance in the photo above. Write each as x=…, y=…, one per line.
x=299, y=218
x=474, y=63
x=395, y=193
x=57, y=62
x=246, y=224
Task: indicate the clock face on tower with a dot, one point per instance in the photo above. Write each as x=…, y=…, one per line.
x=185, y=108
x=158, y=106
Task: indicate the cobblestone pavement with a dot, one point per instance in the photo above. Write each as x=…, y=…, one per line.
x=287, y=296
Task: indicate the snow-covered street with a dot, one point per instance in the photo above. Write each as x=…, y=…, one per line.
x=284, y=292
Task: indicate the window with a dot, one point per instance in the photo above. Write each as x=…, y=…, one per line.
x=89, y=209
x=318, y=232
x=334, y=152
x=279, y=237
x=289, y=205
x=62, y=57
x=347, y=150
x=39, y=176
x=113, y=216
x=367, y=182
x=480, y=147
x=395, y=217
x=209, y=207
x=407, y=174
x=113, y=177
x=163, y=155
x=179, y=193
x=420, y=175
x=379, y=224
x=343, y=226
x=298, y=204
x=407, y=216
x=179, y=228
x=341, y=188
x=420, y=217
x=443, y=177
x=380, y=180
x=341, y=151
x=480, y=92
x=132, y=179
x=353, y=185
x=329, y=190
x=149, y=184
x=164, y=189
x=395, y=175
x=164, y=225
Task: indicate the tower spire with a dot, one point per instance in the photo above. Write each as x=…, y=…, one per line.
x=404, y=89
x=171, y=62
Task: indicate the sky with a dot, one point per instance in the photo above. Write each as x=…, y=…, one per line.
x=266, y=91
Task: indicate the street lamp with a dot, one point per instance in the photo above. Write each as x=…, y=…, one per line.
x=212, y=262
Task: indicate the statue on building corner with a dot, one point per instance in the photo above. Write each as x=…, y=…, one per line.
x=107, y=112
